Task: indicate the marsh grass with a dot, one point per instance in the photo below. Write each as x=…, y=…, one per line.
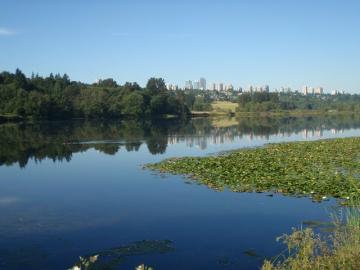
x=336, y=251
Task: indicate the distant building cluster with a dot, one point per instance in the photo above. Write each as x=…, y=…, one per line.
x=196, y=85
x=306, y=90
x=221, y=87
x=172, y=87
x=201, y=84
x=264, y=88
x=337, y=92
x=283, y=89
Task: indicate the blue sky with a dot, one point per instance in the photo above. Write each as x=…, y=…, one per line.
x=280, y=43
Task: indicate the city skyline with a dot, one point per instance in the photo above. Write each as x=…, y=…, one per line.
x=202, y=84
x=296, y=44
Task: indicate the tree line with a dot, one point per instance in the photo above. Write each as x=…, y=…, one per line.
x=267, y=102
x=57, y=97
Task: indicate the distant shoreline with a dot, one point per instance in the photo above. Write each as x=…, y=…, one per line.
x=266, y=114
x=193, y=114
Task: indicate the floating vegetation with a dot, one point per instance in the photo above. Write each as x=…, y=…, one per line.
x=143, y=267
x=318, y=169
x=252, y=253
x=112, y=258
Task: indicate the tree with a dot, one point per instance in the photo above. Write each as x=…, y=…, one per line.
x=133, y=104
x=156, y=86
x=107, y=83
x=20, y=80
x=158, y=104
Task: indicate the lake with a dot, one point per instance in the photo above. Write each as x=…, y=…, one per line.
x=78, y=188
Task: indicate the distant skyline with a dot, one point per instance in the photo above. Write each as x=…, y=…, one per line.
x=280, y=43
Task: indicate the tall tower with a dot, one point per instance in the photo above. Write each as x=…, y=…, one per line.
x=221, y=87
x=202, y=83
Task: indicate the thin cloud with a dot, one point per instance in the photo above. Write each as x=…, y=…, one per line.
x=155, y=35
x=6, y=32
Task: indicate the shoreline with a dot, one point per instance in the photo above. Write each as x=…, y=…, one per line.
x=194, y=114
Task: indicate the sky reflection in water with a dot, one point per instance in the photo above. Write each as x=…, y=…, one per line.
x=77, y=188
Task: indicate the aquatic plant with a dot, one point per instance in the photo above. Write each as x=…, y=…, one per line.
x=310, y=251
x=318, y=169
x=112, y=258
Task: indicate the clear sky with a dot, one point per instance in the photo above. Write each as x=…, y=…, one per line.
x=279, y=42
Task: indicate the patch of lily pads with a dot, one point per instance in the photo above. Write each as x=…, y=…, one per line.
x=317, y=169
x=111, y=259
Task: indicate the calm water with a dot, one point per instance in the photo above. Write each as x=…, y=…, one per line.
x=71, y=189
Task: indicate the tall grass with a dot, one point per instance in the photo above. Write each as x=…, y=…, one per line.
x=307, y=250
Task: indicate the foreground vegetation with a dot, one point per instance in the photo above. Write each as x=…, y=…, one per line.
x=319, y=169
x=307, y=250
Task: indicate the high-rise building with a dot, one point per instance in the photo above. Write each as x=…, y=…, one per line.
x=221, y=87
x=213, y=87
x=196, y=85
x=266, y=88
x=203, y=84
x=188, y=85
x=305, y=90
x=319, y=90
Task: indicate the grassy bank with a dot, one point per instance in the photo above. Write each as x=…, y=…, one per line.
x=309, y=251
x=223, y=108
x=319, y=169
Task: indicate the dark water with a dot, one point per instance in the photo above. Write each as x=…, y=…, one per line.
x=70, y=189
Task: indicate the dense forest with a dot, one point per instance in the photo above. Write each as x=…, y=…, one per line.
x=262, y=101
x=57, y=97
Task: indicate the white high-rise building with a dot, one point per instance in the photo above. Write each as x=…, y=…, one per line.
x=196, y=85
x=305, y=90
x=319, y=90
x=188, y=85
x=203, y=84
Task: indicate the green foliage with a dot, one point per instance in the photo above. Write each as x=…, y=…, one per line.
x=310, y=251
x=201, y=104
x=317, y=169
x=273, y=102
x=156, y=86
x=56, y=97
x=133, y=104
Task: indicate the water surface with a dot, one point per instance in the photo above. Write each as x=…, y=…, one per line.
x=70, y=189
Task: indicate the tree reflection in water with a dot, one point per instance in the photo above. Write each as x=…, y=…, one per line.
x=60, y=140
